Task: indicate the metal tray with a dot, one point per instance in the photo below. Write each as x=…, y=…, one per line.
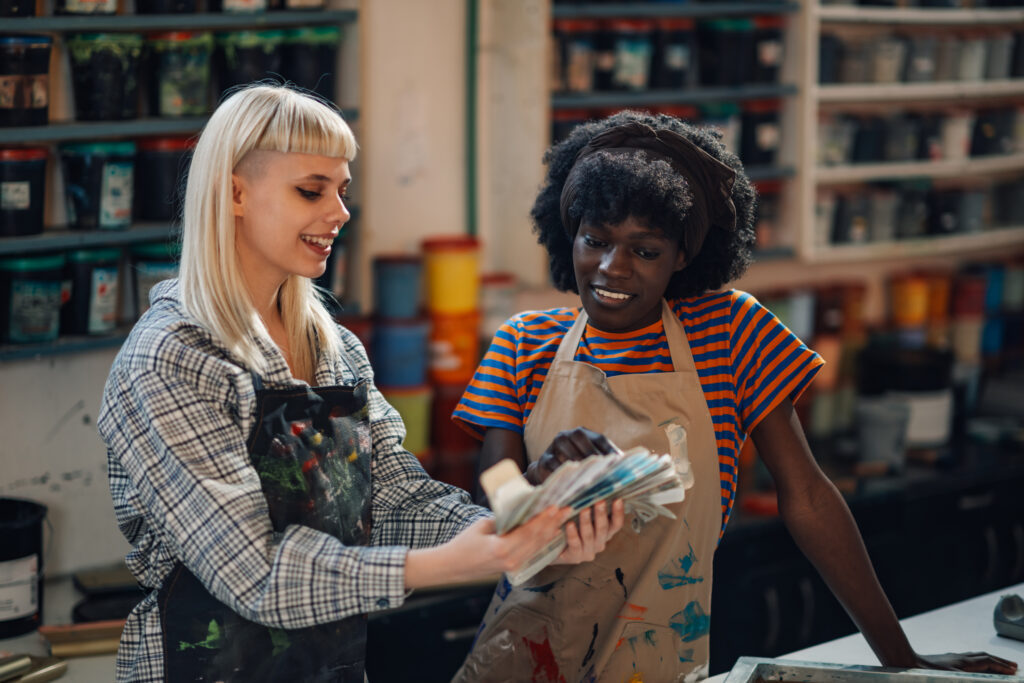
x=756, y=670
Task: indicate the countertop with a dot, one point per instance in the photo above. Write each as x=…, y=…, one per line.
x=961, y=627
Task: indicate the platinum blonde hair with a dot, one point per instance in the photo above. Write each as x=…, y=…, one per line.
x=266, y=118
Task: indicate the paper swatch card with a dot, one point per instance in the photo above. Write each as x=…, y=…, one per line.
x=644, y=481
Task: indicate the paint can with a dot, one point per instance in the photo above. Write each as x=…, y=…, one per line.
x=152, y=263
x=104, y=70
x=455, y=450
x=309, y=55
x=160, y=167
x=398, y=285
x=497, y=302
x=22, y=190
x=31, y=293
x=452, y=274
x=99, y=183
x=454, y=347
x=21, y=566
x=95, y=278
x=25, y=73
x=400, y=352
x=413, y=404
x=181, y=64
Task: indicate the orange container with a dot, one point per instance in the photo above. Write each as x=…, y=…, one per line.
x=454, y=347
x=908, y=297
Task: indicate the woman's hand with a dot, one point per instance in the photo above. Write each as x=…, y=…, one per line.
x=591, y=532
x=572, y=444
x=975, y=662
x=478, y=552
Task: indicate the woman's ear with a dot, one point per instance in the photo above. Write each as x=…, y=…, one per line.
x=238, y=195
x=680, y=262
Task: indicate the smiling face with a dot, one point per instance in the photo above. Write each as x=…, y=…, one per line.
x=288, y=208
x=622, y=272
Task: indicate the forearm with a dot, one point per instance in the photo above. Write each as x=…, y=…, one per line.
x=823, y=528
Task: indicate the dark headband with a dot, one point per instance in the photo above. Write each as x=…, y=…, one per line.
x=709, y=179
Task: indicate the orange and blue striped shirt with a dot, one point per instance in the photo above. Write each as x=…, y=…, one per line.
x=746, y=359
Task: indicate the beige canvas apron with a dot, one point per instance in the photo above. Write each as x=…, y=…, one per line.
x=641, y=610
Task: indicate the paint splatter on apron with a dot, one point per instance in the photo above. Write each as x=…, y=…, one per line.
x=641, y=610
x=311, y=448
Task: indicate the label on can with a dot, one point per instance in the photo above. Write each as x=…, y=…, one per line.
x=90, y=6
x=10, y=85
x=37, y=90
x=146, y=277
x=677, y=57
x=35, y=310
x=116, y=195
x=103, y=300
x=19, y=588
x=15, y=195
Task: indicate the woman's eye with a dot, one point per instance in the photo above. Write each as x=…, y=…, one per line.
x=647, y=254
x=591, y=242
x=308, y=194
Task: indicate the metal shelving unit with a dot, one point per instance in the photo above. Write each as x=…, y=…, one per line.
x=53, y=239
x=660, y=9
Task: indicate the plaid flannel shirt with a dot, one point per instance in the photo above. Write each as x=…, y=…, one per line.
x=177, y=411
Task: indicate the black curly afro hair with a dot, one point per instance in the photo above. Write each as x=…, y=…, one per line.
x=617, y=186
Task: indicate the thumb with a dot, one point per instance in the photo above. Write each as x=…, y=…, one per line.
x=484, y=526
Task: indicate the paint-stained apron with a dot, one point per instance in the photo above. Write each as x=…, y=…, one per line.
x=641, y=610
x=311, y=448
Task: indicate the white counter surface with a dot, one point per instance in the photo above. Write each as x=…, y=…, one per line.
x=961, y=627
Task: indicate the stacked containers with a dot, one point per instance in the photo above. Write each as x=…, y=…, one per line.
x=160, y=166
x=22, y=190
x=399, y=347
x=24, y=72
x=452, y=278
x=104, y=69
x=181, y=64
x=98, y=178
x=94, y=277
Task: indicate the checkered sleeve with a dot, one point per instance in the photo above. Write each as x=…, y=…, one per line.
x=171, y=419
x=409, y=508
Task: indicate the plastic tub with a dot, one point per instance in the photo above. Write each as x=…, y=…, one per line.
x=94, y=276
x=160, y=168
x=400, y=352
x=922, y=59
x=242, y=6
x=22, y=190
x=497, y=302
x=633, y=48
x=17, y=8
x=760, y=132
x=452, y=274
x=309, y=58
x=768, y=49
x=413, y=404
x=31, y=292
x=165, y=6
x=726, y=51
x=21, y=556
x=104, y=70
x=24, y=71
x=181, y=67
x=98, y=180
x=85, y=7
x=247, y=56
x=454, y=347
x=150, y=264
x=398, y=285
x=672, y=64
x=575, y=45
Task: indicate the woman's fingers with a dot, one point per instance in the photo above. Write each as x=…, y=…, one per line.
x=601, y=526
x=618, y=517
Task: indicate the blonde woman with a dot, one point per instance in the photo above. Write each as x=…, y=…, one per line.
x=254, y=467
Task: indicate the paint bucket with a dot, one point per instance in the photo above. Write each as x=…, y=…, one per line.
x=309, y=55
x=181, y=66
x=17, y=8
x=21, y=566
x=454, y=347
x=95, y=278
x=104, y=70
x=22, y=190
x=165, y=6
x=452, y=270
x=359, y=325
x=25, y=72
x=398, y=285
x=99, y=183
x=413, y=404
x=160, y=167
x=497, y=301
x=450, y=442
x=152, y=263
x=31, y=293
x=400, y=352
x=246, y=56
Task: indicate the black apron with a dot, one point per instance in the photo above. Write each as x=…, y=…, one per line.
x=311, y=447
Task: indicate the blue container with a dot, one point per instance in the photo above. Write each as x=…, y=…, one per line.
x=400, y=352
x=398, y=286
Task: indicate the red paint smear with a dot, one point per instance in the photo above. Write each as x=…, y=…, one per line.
x=619, y=644
x=637, y=612
x=544, y=661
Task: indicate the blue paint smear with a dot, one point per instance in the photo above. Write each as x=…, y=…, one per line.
x=669, y=576
x=542, y=589
x=691, y=623
x=687, y=655
x=504, y=588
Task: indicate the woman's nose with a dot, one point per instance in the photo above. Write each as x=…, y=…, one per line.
x=339, y=213
x=615, y=262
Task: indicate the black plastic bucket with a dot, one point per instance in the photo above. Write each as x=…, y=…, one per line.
x=95, y=279
x=21, y=557
x=180, y=60
x=22, y=190
x=160, y=166
x=31, y=292
x=165, y=6
x=25, y=70
x=99, y=183
x=17, y=8
x=104, y=70
x=309, y=58
x=247, y=56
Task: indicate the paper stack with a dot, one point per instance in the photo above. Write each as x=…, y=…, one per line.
x=645, y=481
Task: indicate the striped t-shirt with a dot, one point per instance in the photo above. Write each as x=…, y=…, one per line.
x=747, y=361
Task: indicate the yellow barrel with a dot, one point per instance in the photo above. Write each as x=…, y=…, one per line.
x=451, y=268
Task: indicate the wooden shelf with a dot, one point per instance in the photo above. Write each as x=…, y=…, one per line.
x=665, y=9
x=903, y=92
x=925, y=246
x=920, y=16
x=831, y=175
x=648, y=98
x=163, y=22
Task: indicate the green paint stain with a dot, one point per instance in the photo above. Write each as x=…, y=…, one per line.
x=213, y=640
x=281, y=641
x=286, y=474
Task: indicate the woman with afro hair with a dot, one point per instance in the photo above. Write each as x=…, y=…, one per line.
x=646, y=218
